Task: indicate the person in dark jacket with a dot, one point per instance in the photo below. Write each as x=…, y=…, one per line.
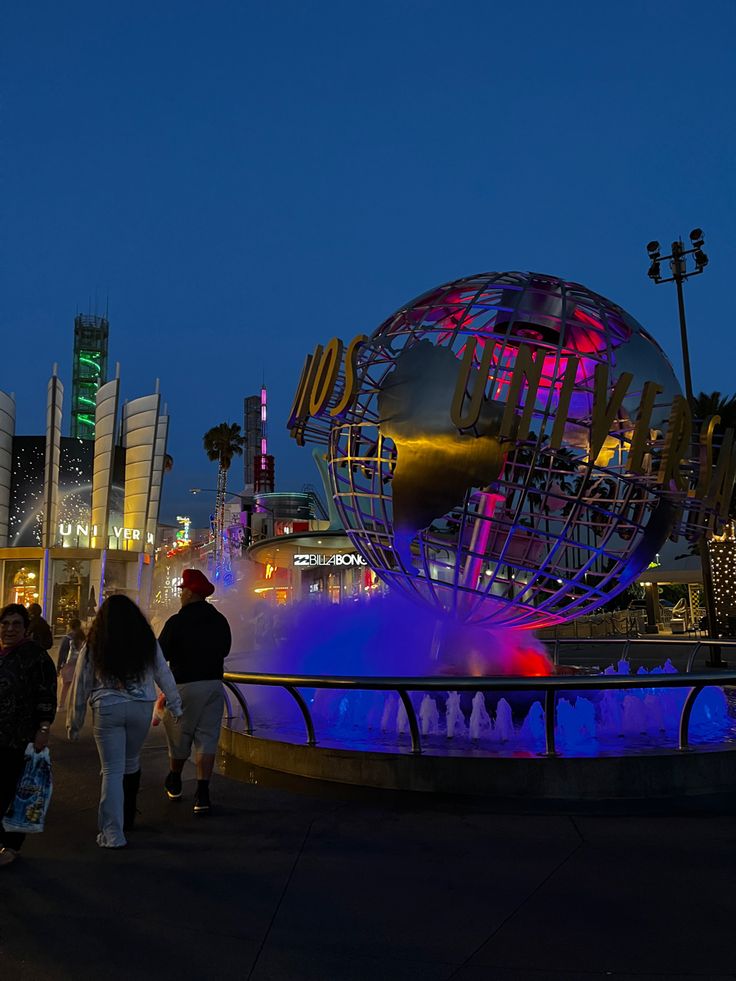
x=27, y=709
x=195, y=642
x=38, y=629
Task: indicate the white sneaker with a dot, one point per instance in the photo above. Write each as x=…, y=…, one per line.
x=104, y=843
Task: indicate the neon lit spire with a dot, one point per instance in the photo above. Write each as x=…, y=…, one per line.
x=264, y=442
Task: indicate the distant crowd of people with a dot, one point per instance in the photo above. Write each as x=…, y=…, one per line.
x=115, y=670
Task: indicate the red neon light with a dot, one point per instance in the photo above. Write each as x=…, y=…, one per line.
x=587, y=319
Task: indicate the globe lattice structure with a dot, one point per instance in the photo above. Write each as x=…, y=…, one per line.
x=527, y=529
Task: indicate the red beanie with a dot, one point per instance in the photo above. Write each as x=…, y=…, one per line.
x=196, y=582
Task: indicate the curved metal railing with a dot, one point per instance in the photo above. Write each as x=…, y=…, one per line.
x=696, y=645
x=550, y=685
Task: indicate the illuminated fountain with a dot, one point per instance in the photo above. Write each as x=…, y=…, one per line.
x=507, y=451
x=369, y=640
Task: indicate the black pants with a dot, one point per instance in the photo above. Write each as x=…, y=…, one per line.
x=11, y=767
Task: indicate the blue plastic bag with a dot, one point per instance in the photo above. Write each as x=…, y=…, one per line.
x=27, y=812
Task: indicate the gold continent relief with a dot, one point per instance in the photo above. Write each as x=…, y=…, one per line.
x=435, y=465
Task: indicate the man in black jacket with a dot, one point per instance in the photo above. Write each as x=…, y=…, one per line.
x=38, y=629
x=195, y=642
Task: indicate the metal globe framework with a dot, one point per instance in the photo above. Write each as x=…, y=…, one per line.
x=549, y=521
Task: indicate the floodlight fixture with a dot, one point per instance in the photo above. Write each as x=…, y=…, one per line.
x=678, y=267
x=677, y=261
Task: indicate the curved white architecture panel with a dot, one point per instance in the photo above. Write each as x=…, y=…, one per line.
x=159, y=458
x=7, y=431
x=140, y=425
x=54, y=400
x=106, y=413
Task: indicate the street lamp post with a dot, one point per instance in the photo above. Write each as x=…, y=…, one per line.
x=678, y=267
x=213, y=490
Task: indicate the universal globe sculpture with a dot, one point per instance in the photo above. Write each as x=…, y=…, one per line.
x=508, y=448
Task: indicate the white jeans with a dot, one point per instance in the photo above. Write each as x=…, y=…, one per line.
x=120, y=729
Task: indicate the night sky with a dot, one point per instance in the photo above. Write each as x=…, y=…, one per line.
x=242, y=180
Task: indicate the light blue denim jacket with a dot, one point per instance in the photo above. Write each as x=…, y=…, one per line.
x=88, y=687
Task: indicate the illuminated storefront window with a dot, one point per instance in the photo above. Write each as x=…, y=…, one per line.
x=21, y=582
x=71, y=593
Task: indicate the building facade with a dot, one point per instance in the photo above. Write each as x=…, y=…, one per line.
x=78, y=515
x=252, y=439
x=258, y=465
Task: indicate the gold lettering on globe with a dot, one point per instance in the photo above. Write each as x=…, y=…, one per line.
x=714, y=485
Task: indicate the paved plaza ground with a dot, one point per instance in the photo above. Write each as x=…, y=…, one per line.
x=326, y=884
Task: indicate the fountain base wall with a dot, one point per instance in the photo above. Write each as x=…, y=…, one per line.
x=661, y=775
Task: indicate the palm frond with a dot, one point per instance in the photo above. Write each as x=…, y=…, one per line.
x=222, y=442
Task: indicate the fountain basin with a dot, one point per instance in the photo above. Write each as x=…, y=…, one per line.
x=682, y=766
x=663, y=775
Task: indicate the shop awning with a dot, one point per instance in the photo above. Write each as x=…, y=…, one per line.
x=660, y=575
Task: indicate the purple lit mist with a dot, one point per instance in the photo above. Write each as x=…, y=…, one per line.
x=391, y=636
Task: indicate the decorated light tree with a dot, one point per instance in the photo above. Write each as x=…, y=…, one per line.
x=721, y=545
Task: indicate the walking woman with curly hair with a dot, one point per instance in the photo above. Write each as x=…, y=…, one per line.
x=116, y=675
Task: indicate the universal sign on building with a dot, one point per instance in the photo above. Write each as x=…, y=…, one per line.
x=117, y=533
x=337, y=559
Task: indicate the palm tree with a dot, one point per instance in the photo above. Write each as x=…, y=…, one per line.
x=714, y=404
x=222, y=443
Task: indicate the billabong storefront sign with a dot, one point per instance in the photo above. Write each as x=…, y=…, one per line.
x=337, y=559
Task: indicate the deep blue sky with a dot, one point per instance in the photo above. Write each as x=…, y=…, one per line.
x=246, y=179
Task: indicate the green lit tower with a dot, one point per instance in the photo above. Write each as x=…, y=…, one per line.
x=89, y=371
